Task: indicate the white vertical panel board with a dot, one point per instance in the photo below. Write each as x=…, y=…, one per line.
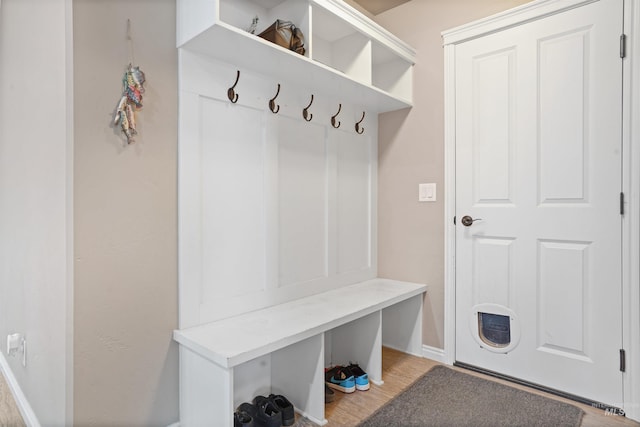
x=189, y=210
x=206, y=392
x=233, y=200
x=302, y=192
x=354, y=208
x=298, y=374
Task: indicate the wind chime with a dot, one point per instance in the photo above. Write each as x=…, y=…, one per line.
x=131, y=99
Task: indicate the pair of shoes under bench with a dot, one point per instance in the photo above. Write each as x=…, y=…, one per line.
x=347, y=379
x=272, y=411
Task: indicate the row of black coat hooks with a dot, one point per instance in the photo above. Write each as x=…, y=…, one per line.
x=233, y=97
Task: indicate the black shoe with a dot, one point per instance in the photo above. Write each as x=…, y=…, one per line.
x=268, y=414
x=285, y=407
x=244, y=416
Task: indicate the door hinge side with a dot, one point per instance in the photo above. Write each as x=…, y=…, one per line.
x=623, y=45
x=621, y=203
x=623, y=360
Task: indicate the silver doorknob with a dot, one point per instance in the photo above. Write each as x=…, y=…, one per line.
x=468, y=221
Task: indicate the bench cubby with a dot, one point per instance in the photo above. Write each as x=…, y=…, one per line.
x=284, y=349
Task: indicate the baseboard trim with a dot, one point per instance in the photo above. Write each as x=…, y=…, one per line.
x=25, y=409
x=434, y=353
x=403, y=350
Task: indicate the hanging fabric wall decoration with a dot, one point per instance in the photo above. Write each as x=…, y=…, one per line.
x=131, y=99
x=132, y=90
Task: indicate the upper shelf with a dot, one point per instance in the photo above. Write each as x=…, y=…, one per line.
x=347, y=55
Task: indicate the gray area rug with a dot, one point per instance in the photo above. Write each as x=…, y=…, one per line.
x=444, y=397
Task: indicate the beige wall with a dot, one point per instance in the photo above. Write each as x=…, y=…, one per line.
x=411, y=151
x=126, y=366
x=126, y=370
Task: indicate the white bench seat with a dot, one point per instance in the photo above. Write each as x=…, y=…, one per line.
x=235, y=340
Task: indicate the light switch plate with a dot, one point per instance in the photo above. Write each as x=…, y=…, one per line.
x=427, y=192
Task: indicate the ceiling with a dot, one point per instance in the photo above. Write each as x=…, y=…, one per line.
x=379, y=6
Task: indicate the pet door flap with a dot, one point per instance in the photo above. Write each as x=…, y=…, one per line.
x=494, y=329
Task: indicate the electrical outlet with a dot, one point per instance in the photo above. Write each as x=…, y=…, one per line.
x=17, y=344
x=14, y=343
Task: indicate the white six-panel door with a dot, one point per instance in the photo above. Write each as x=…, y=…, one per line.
x=538, y=167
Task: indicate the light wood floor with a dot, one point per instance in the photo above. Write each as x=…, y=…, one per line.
x=401, y=370
x=9, y=413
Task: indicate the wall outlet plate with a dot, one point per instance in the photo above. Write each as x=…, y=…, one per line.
x=17, y=344
x=14, y=343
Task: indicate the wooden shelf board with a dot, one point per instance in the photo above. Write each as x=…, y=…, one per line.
x=249, y=52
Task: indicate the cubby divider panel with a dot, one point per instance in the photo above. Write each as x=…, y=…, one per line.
x=391, y=73
x=297, y=372
x=402, y=326
x=205, y=391
x=338, y=45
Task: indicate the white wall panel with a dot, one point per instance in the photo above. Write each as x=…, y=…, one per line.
x=272, y=207
x=353, y=200
x=302, y=195
x=233, y=224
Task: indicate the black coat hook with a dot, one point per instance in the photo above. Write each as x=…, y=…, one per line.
x=231, y=93
x=305, y=112
x=272, y=102
x=333, y=118
x=360, y=129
